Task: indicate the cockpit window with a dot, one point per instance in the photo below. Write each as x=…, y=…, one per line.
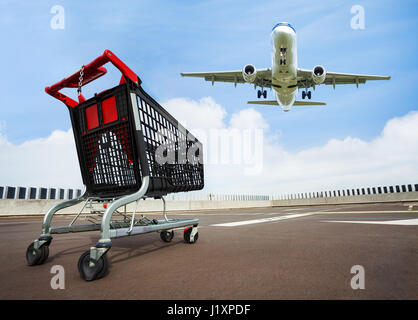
x=284, y=24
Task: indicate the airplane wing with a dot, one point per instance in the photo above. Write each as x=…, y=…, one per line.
x=297, y=103
x=263, y=78
x=333, y=78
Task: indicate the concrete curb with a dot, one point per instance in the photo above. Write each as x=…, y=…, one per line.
x=360, y=199
x=39, y=207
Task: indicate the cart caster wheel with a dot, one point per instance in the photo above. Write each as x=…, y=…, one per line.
x=92, y=273
x=36, y=256
x=45, y=251
x=187, y=233
x=167, y=236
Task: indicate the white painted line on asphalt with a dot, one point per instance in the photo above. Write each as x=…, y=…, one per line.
x=19, y=223
x=406, y=222
x=377, y=211
x=218, y=214
x=242, y=223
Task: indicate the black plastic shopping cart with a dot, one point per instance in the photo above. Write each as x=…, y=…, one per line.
x=129, y=148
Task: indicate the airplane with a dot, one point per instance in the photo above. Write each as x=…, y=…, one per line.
x=284, y=77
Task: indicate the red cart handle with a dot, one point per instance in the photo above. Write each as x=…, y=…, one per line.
x=92, y=71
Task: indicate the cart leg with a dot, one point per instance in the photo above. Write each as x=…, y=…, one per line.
x=96, y=256
x=165, y=209
x=107, y=216
x=46, y=223
x=93, y=264
x=38, y=251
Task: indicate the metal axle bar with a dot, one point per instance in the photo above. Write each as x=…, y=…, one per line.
x=161, y=226
x=75, y=228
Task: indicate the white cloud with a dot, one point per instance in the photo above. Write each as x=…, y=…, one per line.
x=248, y=119
x=49, y=162
x=205, y=113
x=390, y=158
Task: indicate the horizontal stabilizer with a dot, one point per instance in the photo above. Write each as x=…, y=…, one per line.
x=297, y=103
x=309, y=103
x=268, y=102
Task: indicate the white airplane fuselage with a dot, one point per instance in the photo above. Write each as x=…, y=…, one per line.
x=284, y=76
x=284, y=65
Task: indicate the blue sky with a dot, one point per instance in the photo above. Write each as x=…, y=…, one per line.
x=160, y=39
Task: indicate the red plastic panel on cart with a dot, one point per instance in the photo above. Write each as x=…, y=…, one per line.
x=92, y=117
x=109, y=111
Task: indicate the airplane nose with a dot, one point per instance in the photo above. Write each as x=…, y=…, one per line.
x=283, y=30
x=282, y=33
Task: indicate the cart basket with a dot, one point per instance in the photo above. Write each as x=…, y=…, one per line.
x=123, y=135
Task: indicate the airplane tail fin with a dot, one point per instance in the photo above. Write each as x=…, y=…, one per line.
x=297, y=103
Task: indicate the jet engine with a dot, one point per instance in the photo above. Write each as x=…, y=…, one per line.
x=249, y=73
x=318, y=74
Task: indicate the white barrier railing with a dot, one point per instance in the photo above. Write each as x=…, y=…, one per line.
x=348, y=192
x=42, y=193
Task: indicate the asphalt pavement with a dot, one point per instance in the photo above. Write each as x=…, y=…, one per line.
x=261, y=253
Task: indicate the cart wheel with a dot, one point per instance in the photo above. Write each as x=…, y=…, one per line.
x=167, y=236
x=92, y=273
x=187, y=233
x=45, y=253
x=36, y=256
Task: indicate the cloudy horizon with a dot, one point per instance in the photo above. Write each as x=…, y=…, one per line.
x=389, y=158
x=364, y=136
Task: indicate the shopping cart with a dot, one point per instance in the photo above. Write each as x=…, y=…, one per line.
x=129, y=148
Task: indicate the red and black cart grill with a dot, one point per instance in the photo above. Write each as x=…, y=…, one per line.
x=129, y=148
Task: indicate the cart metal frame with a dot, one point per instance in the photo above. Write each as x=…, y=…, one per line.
x=106, y=232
